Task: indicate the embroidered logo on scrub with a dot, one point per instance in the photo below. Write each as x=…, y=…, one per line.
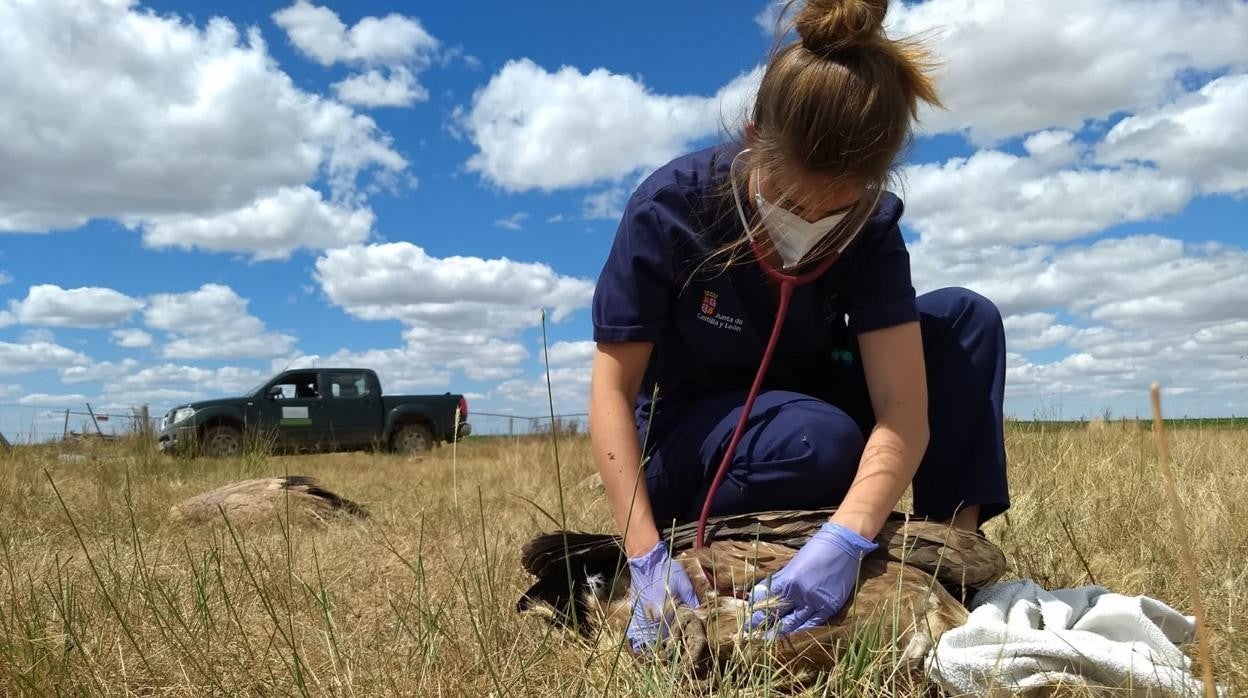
x=710, y=314
x=709, y=299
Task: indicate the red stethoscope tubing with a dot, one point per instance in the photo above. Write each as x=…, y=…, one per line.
x=787, y=284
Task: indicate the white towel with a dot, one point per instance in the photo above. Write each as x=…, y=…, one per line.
x=1020, y=637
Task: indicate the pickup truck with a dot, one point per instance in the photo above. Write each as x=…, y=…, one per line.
x=320, y=409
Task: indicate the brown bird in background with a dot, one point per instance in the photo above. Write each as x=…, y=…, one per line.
x=261, y=498
x=908, y=593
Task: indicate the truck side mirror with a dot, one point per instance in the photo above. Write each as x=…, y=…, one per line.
x=275, y=391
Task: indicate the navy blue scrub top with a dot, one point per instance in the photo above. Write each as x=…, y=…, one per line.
x=710, y=326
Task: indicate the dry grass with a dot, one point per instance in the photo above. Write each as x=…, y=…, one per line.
x=101, y=595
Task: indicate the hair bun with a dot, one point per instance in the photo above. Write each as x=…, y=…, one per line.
x=828, y=26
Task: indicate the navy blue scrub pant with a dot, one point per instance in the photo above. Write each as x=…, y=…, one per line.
x=801, y=451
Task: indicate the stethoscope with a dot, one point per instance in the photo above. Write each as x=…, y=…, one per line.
x=787, y=282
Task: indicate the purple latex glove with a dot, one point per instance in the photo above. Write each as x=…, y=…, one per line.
x=659, y=584
x=814, y=585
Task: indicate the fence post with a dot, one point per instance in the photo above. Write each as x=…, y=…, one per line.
x=511, y=427
x=65, y=429
x=94, y=421
x=145, y=425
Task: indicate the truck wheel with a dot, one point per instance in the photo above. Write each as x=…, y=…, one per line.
x=222, y=441
x=412, y=438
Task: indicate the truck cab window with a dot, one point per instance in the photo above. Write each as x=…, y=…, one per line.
x=349, y=384
x=298, y=385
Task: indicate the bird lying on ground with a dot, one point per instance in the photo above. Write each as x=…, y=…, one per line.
x=251, y=500
x=907, y=596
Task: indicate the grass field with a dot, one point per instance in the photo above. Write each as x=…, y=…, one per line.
x=101, y=595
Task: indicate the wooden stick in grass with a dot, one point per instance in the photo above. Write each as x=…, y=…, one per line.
x=1185, y=545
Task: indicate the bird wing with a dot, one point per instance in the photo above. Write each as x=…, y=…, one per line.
x=564, y=562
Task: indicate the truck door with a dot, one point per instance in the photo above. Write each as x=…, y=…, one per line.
x=293, y=410
x=353, y=407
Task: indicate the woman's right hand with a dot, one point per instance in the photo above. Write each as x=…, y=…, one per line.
x=658, y=585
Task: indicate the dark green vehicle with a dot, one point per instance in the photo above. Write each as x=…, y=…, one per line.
x=316, y=410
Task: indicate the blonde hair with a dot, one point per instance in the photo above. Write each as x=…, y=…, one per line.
x=839, y=104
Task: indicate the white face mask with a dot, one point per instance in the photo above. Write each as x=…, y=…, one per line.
x=792, y=235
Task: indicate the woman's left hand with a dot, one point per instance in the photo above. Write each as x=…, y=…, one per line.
x=814, y=585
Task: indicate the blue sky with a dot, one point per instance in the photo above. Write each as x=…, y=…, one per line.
x=193, y=195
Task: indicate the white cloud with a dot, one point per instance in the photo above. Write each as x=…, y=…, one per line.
x=212, y=323
x=429, y=359
x=1208, y=364
x=570, y=364
x=1010, y=68
x=373, y=89
x=396, y=368
x=513, y=222
x=229, y=379
x=45, y=400
x=112, y=111
x=449, y=55
x=319, y=34
x=1200, y=136
x=462, y=315
x=479, y=356
x=1033, y=331
x=103, y=370
x=7, y=318
x=52, y=306
x=35, y=356
x=767, y=17
x=398, y=43
x=164, y=385
x=269, y=228
x=5, y=277
x=994, y=197
x=1152, y=308
x=535, y=129
x=206, y=347
x=7, y=389
x=156, y=398
x=131, y=338
x=564, y=353
x=1130, y=281
x=400, y=281
x=1053, y=148
x=568, y=387
x=39, y=335
x=604, y=205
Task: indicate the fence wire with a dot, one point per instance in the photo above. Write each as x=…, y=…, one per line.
x=501, y=424
x=25, y=424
